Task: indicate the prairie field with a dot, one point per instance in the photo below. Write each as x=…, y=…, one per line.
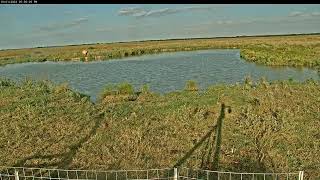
x=272, y=127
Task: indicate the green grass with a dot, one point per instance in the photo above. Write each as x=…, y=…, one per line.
x=191, y=86
x=291, y=50
x=281, y=55
x=114, y=93
x=273, y=127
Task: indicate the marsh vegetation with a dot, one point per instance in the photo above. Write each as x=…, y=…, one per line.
x=273, y=126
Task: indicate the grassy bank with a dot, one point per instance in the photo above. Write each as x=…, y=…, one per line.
x=295, y=50
x=272, y=127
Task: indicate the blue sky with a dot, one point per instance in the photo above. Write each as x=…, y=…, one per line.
x=49, y=25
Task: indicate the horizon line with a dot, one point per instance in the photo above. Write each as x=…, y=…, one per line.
x=172, y=39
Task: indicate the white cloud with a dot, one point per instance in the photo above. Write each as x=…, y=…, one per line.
x=60, y=26
x=303, y=14
x=296, y=14
x=194, y=8
x=131, y=11
x=140, y=12
x=79, y=21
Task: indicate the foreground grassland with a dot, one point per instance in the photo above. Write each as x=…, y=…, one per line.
x=272, y=127
x=294, y=50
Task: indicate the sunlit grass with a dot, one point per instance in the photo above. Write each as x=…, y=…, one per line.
x=274, y=126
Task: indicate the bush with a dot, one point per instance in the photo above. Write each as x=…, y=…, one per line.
x=108, y=90
x=125, y=88
x=145, y=89
x=191, y=86
x=113, y=90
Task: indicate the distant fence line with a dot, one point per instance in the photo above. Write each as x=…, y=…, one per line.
x=26, y=173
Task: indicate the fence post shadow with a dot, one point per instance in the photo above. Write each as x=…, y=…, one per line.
x=196, y=146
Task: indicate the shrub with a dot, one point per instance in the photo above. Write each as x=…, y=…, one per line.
x=191, y=86
x=108, y=90
x=125, y=88
x=145, y=89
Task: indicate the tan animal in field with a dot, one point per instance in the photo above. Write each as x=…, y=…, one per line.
x=85, y=52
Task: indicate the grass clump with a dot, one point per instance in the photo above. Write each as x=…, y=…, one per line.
x=145, y=89
x=191, y=86
x=125, y=88
x=6, y=82
x=114, y=92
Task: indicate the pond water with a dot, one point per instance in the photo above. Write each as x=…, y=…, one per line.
x=162, y=72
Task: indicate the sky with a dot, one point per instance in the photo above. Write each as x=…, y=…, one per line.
x=30, y=25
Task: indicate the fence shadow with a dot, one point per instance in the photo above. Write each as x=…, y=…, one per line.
x=196, y=146
x=209, y=149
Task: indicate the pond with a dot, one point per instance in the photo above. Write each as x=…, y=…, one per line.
x=162, y=72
